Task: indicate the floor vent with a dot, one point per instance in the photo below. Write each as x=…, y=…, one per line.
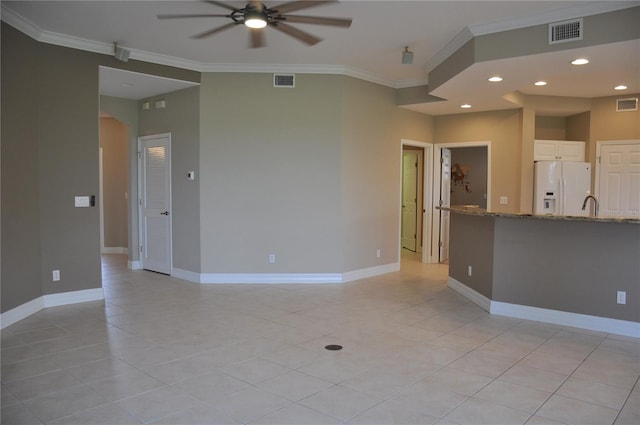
x=561, y=32
x=284, y=80
x=629, y=104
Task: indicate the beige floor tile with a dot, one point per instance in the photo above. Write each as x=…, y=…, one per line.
x=539, y=420
x=293, y=357
x=126, y=385
x=394, y=412
x=576, y=412
x=482, y=363
x=594, y=392
x=294, y=385
x=107, y=414
x=18, y=414
x=39, y=385
x=157, y=404
x=212, y=387
x=255, y=370
x=64, y=402
x=250, y=404
x=550, y=361
x=431, y=398
x=198, y=415
x=340, y=402
x=514, y=396
x=101, y=369
x=480, y=412
x=461, y=382
x=296, y=414
x=535, y=378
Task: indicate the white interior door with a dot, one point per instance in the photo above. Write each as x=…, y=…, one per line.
x=409, y=199
x=155, y=202
x=619, y=179
x=445, y=201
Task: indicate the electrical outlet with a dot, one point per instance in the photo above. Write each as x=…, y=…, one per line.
x=378, y=253
x=622, y=297
x=470, y=270
x=56, y=275
x=272, y=258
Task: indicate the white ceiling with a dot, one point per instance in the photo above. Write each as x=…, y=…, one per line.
x=370, y=49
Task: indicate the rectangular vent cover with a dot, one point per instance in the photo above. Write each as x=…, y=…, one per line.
x=284, y=80
x=561, y=32
x=629, y=104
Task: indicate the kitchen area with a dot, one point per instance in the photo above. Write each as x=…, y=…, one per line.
x=569, y=256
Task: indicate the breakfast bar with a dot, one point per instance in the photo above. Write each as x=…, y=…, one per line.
x=574, y=271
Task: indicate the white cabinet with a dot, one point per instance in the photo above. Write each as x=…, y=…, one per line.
x=558, y=150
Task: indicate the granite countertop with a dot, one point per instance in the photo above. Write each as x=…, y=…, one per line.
x=474, y=210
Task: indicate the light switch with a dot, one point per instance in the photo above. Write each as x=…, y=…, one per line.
x=504, y=200
x=82, y=201
x=191, y=175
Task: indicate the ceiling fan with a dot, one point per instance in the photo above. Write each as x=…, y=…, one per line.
x=256, y=15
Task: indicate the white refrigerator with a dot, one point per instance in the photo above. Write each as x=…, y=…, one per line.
x=560, y=187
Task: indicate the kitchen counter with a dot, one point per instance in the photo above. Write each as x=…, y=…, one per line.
x=484, y=212
x=563, y=270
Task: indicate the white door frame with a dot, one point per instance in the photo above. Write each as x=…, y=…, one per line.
x=427, y=208
x=140, y=192
x=101, y=197
x=437, y=153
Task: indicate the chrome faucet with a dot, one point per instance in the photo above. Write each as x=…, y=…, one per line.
x=595, y=204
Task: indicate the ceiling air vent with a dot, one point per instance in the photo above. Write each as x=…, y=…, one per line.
x=629, y=104
x=561, y=32
x=284, y=80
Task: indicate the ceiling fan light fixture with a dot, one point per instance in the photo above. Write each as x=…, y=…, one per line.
x=256, y=21
x=407, y=56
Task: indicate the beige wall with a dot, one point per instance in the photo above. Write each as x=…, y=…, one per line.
x=114, y=141
x=551, y=128
x=370, y=166
x=503, y=130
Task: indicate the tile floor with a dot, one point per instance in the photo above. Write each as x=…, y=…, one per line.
x=163, y=351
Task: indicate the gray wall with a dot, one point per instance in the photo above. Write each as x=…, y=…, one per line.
x=471, y=244
x=568, y=266
x=181, y=119
x=270, y=171
x=49, y=155
x=475, y=158
x=571, y=266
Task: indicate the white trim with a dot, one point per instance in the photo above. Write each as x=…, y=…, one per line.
x=599, y=144
x=29, y=308
x=23, y=311
x=101, y=193
x=271, y=278
x=563, y=318
x=73, y=297
x=470, y=294
x=371, y=271
x=427, y=198
x=134, y=265
x=115, y=250
x=283, y=278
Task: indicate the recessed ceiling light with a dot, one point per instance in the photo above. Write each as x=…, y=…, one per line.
x=540, y=83
x=620, y=87
x=465, y=106
x=580, y=61
x=495, y=79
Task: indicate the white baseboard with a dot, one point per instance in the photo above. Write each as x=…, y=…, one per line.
x=563, y=318
x=73, y=297
x=134, y=265
x=370, y=272
x=284, y=278
x=271, y=278
x=23, y=311
x=470, y=294
x=115, y=250
x=51, y=300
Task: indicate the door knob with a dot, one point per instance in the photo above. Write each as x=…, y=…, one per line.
x=165, y=213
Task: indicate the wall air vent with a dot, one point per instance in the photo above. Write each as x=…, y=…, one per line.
x=284, y=80
x=628, y=104
x=561, y=32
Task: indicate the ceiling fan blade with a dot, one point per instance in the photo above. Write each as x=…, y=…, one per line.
x=223, y=5
x=317, y=20
x=257, y=38
x=305, y=37
x=178, y=16
x=299, y=5
x=215, y=30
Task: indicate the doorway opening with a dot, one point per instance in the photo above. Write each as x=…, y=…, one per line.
x=414, y=233
x=462, y=178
